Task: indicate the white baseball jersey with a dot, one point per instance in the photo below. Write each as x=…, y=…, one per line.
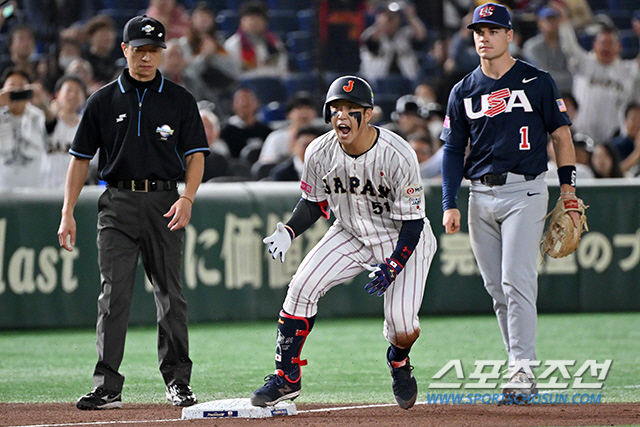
x=602, y=91
x=370, y=195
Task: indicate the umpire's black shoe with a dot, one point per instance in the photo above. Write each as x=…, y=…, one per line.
x=276, y=389
x=100, y=398
x=181, y=395
x=405, y=387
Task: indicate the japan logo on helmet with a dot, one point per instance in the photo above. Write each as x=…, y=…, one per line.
x=349, y=88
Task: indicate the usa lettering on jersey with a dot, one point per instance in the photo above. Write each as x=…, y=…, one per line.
x=497, y=102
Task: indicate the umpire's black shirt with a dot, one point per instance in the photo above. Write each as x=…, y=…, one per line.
x=144, y=130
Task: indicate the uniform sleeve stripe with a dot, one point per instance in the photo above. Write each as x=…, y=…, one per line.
x=196, y=150
x=84, y=156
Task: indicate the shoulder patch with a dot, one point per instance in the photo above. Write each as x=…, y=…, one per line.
x=413, y=190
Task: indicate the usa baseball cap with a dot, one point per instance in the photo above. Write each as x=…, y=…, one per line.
x=491, y=13
x=142, y=31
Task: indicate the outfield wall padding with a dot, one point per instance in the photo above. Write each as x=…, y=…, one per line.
x=228, y=274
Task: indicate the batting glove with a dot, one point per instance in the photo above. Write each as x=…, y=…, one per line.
x=280, y=241
x=383, y=276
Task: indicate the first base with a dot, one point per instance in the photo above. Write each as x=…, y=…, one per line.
x=237, y=408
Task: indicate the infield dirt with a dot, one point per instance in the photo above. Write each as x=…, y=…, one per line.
x=138, y=415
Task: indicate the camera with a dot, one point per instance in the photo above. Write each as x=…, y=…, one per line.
x=20, y=95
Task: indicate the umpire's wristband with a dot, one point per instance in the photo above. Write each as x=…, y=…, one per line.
x=567, y=175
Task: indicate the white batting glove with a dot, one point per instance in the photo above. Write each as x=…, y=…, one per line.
x=279, y=242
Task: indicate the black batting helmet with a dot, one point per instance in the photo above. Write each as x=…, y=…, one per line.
x=350, y=88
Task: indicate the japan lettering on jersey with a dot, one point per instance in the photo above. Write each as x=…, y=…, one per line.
x=369, y=194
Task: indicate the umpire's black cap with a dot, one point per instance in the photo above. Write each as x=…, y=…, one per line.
x=142, y=31
x=350, y=88
x=491, y=13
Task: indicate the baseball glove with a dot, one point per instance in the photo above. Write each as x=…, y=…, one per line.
x=562, y=235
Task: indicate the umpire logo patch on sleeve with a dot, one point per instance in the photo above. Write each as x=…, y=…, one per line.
x=412, y=191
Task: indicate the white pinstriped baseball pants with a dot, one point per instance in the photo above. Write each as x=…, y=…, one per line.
x=340, y=256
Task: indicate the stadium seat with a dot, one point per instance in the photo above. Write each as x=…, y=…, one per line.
x=620, y=18
x=628, y=5
x=387, y=103
x=282, y=21
x=300, y=41
x=227, y=21
x=630, y=44
x=119, y=16
x=215, y=5
x=306, y=20
x=272, y=112
x=295, y=82
x=267, y=89
x=598, y=4
x=125, y=4
x=393, y=84
x=286, y=4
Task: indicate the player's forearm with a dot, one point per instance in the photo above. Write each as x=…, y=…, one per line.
x=193, y=175
x=304, y=215
x=563, y=147
x=408, y=239
x=76, y=177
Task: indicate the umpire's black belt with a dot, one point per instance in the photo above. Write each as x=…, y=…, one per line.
x=491, y=180
x=144, y=185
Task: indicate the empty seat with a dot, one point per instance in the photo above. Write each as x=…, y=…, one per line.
x=266, y=88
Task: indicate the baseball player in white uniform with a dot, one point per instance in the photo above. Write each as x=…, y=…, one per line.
x=369, y=178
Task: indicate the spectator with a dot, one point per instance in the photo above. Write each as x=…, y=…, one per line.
x=172, y=15
x=174, y=66
x=300, y=112
x=244, y=128
x=407, y=117
x=216, y=164
x=258, y=50
x=68, y=50
x=209, y=63
x=543, y=50
x=425, y=92
x=101, y=34
x=422, y=144
x=388, y=47
x=202, y=25
x=70, y=94
x=603, y=83
x=22, y=132
x=627, y=144
x=83, y=69
x=291, y=168
x=605, y=161
x=22, y=51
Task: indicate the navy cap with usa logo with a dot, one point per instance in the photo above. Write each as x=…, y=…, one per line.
x=142, y=31
x=491, y=13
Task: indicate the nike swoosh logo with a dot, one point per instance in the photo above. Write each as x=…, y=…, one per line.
x=529, y=193
x=525, y=80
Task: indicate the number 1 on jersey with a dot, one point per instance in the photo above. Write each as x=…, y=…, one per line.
x=524, y=138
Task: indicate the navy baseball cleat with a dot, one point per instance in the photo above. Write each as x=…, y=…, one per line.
x=405, y=387
x=276, y=389
x=100, y=398
x=181, y=395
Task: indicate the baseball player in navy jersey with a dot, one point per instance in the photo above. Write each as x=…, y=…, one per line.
x=500, y=115
x=369, y=178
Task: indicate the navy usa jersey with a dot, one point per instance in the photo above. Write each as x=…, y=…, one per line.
x=505, y=121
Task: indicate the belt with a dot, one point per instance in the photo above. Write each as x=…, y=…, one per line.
x=144, y=185
x=491, y=180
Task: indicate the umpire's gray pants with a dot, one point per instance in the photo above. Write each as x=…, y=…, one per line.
x=131, y=223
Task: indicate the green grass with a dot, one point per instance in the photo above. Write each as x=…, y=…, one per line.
x=346, y=357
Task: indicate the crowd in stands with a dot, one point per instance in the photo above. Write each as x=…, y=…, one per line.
x=259, y=70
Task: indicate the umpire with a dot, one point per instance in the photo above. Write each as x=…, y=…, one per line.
x=150, y=136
